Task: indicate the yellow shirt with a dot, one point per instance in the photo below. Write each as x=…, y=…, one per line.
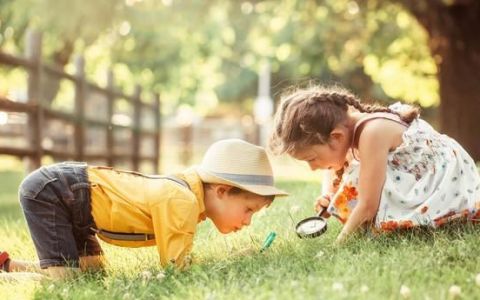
x=129, y=202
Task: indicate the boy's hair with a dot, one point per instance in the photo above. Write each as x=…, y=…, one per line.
x=235, y=190
x=308, y=116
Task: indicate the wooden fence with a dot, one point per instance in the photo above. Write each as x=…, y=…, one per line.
x=39, y=114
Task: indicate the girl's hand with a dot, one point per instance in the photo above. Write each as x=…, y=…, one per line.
x=321, y=203
x=341, y=239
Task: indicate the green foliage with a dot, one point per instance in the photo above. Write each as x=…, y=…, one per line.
x=205, y=52
x=9, y=206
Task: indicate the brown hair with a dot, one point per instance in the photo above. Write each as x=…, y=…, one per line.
x=307, y=117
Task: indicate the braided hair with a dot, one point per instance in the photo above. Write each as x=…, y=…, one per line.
x=308, y=116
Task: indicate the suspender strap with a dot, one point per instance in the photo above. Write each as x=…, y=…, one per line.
x=121, y=236
x=178, y=180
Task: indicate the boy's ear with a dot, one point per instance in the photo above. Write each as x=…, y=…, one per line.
x=221, y=189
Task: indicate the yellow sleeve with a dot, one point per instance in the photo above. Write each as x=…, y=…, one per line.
x=174, y=224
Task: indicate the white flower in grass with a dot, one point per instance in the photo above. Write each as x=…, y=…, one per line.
x=160, y=276
x=454, y=291
x=51, y=287
x=405, y=291
x=146, y=275
x=127, y=296
x=337, y=286
x=477, y=279
x=364, y=288
x=320, y=254
x=294, y=209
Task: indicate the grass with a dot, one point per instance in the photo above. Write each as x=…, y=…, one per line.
x=428, y=262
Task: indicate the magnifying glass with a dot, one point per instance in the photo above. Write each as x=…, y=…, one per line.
x=313, y=226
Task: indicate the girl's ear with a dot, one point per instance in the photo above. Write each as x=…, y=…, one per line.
x=337, y=134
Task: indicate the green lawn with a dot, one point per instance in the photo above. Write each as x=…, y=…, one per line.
x=428, y=263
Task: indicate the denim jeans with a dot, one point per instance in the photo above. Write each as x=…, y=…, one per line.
x=56, y=204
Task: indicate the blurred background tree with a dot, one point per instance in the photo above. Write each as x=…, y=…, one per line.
x=206, y=54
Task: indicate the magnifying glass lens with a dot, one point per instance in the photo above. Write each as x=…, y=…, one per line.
x=311, y=227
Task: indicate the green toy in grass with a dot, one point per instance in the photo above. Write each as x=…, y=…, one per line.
x=268, y=241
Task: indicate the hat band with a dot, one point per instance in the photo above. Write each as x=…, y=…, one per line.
x=247, y=179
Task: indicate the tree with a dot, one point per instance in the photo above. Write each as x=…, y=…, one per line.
x=452, y=27
x=203, y=52
x=64, y=23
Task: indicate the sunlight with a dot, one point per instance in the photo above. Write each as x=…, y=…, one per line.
x=3, y=118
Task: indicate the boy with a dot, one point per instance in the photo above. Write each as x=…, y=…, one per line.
x=67, y=205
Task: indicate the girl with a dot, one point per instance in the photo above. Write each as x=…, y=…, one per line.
x=391, y=167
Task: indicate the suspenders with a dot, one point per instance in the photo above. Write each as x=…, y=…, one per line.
x=120, y=236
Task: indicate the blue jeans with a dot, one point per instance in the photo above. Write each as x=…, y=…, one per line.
x=56, y=204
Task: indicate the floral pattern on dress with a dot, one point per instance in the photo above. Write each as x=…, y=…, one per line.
x=430, y=181
x=344, y=202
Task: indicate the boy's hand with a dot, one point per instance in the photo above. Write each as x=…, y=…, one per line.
x=321, y=203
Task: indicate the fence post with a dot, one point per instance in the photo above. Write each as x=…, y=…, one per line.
x=158, y=132
x=33, y=52
x=79, y=113
x=186, y=137
x=109, y=129
x=136, y=129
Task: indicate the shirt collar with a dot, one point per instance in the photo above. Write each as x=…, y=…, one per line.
x=196, y=185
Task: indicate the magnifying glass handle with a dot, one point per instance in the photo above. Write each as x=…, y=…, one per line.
x=322, y=210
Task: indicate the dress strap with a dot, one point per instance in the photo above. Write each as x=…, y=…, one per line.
x=357, y=130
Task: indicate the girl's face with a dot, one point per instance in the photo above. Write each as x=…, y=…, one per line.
x=330, y=156
x=231, y=211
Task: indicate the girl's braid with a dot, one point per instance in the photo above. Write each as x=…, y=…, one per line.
x=341, y=99
x=344, y=100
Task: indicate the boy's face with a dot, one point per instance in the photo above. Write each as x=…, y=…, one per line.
x=231, y=211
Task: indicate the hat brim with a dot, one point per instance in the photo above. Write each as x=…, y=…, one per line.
x=263, y=190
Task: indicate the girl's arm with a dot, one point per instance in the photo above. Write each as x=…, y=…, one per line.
x=376, y=140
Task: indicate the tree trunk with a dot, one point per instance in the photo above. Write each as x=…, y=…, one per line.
x=455, y=45
x=51, y=84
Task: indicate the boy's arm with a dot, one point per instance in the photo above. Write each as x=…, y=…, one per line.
x=174, y=223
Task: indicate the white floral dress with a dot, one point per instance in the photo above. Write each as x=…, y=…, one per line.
x=430, y=180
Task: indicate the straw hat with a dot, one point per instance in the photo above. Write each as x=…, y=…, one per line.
x=238, y=163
